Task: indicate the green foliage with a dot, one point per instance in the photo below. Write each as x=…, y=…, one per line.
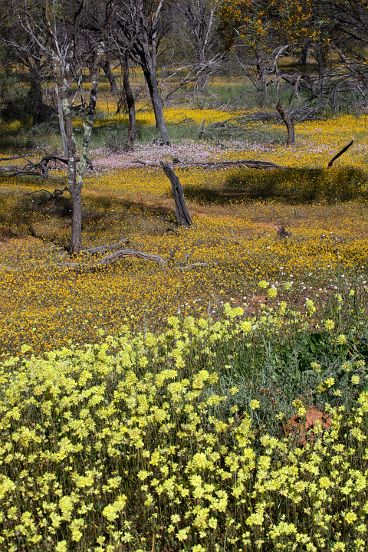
x=146, y=441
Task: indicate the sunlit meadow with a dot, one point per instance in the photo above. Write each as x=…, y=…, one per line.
x=155, y=408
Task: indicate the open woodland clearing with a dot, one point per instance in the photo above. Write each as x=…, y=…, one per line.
x=46, y=303
x=183, y=276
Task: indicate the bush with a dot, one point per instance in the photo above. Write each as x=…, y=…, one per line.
x=300, y=185
x=130, y=444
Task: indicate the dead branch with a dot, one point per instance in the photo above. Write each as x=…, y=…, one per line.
x=250, y=163
x=40, y=168
x=341, y=152
x=12, y=171
x=114, y=257
x=130, y=253
x=104, y=248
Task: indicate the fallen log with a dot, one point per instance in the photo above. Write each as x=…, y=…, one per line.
x=104, y=248
x=250, y=163
x=12, y=171
x=181, y=210
x=341, y=152
x=40, y=168
x=130, y=253
x=114, y=257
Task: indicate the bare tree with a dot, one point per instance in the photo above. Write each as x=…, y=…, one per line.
x=56, y=28
x=200, y=18
x=130, y=102
x=141, y=27
x=21, y=51
x=106, y=66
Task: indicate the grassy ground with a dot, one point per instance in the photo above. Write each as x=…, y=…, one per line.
x=240, y=422
x=45, y=304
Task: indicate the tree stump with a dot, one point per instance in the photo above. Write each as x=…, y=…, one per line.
x=289, y=123
x=181, y=210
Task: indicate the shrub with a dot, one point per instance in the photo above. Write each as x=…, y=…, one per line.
x=131, y=445
x=300, y=185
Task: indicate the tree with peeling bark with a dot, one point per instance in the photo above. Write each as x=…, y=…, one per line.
x=56, y=28
x=141, y=26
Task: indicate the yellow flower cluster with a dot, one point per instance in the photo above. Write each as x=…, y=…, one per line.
x=130, y=444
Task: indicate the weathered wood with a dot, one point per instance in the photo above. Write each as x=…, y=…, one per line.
x=250, y=163
x=289, y=123
x=113, y=258
x=130, y=253
x=40, y=168
x=181, y=210
x=104, y=248
x=12, y=171
x=341, y=152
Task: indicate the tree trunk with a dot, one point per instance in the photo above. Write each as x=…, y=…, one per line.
x=261, y=78
x=74, y=180
x=61, y=122
x=152, y=83
x=110, y=77
x=289, y=123
x=202, y=80
x=304, y=54
x=130, y=101
x=321, y=58
x=35, y=97
x=76, y=243
x=181, y=210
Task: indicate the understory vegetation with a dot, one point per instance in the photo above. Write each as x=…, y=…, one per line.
x=183, y=276
x=248, y=432
x=218, y=402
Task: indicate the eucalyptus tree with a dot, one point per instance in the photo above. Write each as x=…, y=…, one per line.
x=58, y=29
x=199, y=21
x=22, y=58
x=141, y=26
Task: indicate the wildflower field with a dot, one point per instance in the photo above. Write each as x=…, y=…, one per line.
x=216, y=403
x=181, y=441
